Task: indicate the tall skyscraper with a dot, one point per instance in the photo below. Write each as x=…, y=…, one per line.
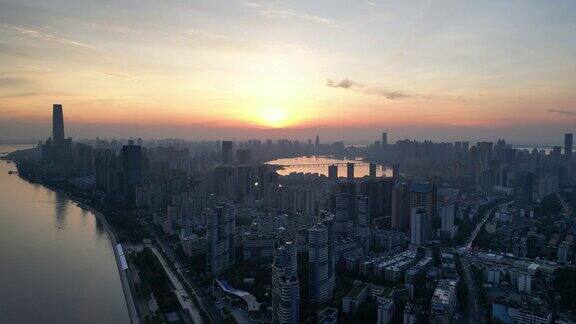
x=447, y=230
x=317, y=144
x=424, y=194
x=132, y=169
x=524, y=187
x=400, y=207
x=419, y=227
x=487, y=182
x=372, y=170
x=106, y=171
x=342, y=214
x=220, y=247
x=350, y=171
x=568, y=138
x=285, y=285
x=243, y=156
x=465, y=149
x=363, y=221
x=423, y=199
x=379, y=193
x=396, y=172
x=57, y=125
x=333, y=172
x=227, y=152
x=384, y=141
x=321, y=261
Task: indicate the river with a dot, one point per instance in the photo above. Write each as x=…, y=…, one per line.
x=57, y=263
x=319, y=164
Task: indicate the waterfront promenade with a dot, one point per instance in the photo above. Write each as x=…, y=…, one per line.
x=124, y=279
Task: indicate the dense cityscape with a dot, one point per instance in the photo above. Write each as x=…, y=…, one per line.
x=283, y=231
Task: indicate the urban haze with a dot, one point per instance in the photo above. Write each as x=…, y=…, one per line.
x=217, y=162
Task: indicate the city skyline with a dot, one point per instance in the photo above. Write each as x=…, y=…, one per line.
x=286, y=162
x=476, y=71
x=262, y=238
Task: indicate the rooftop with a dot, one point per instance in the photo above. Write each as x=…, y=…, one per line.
x=356, y=291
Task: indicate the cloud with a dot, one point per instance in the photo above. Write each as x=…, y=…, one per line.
x=270, y=12
x=114, y=75
x=390, y=94
x=360, y=88
x=20, y=95
x=14, y=82
x=44, y=36
x=346, y=84
x=562, y=112
x=290, y=48
x=197, y=33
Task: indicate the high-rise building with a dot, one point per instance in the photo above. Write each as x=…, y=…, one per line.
x=568, y=138
x=443, y=301
x=465, y=149
x=285, y=285
x=485, y=151
x=424, y=194
x=57, y=125
x=524, y=187
x=350, y=171
x=333, y=172
x=423, y=199
x=419, y=226
x=400, y=207
x=487, y=182
x=342, y=212
x=448, y=229
x=372, y=167
x=363, y=221
x=227, y=152
x=220, y=247
x=377, y=146
x=107, y=172
x=385, y=310
x=556, y=152
x=321, y=261
x=243, y=156
x=379, y=193
x=384, y=141
x=317, y=144
x=58, y=150
x=396, y=172
x=132, y=169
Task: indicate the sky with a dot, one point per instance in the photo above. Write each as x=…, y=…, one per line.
x=444, y=70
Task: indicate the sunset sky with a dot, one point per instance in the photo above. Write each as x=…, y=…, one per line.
x=245, y=69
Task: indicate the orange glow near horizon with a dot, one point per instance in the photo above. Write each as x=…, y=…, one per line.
x=279, y=67
x=274, y=117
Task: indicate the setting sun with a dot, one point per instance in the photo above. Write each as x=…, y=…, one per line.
x=274, y=117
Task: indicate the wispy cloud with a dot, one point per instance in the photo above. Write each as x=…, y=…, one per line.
x=562, y=112
x=289, y=47
x=360, y=88
x=20, y=95
x=114, y=75
x=33, y=93
x=14, y=82
x=31, y=33
x=197, y=33
x=270, y=12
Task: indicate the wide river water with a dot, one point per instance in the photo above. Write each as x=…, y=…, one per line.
x=319, y=164
x=56, y=260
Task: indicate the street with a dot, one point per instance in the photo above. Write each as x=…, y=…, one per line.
x=474, y=311
x=179, y=291
x=209, y=307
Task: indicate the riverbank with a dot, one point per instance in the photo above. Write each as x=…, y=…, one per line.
x=124, y=279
